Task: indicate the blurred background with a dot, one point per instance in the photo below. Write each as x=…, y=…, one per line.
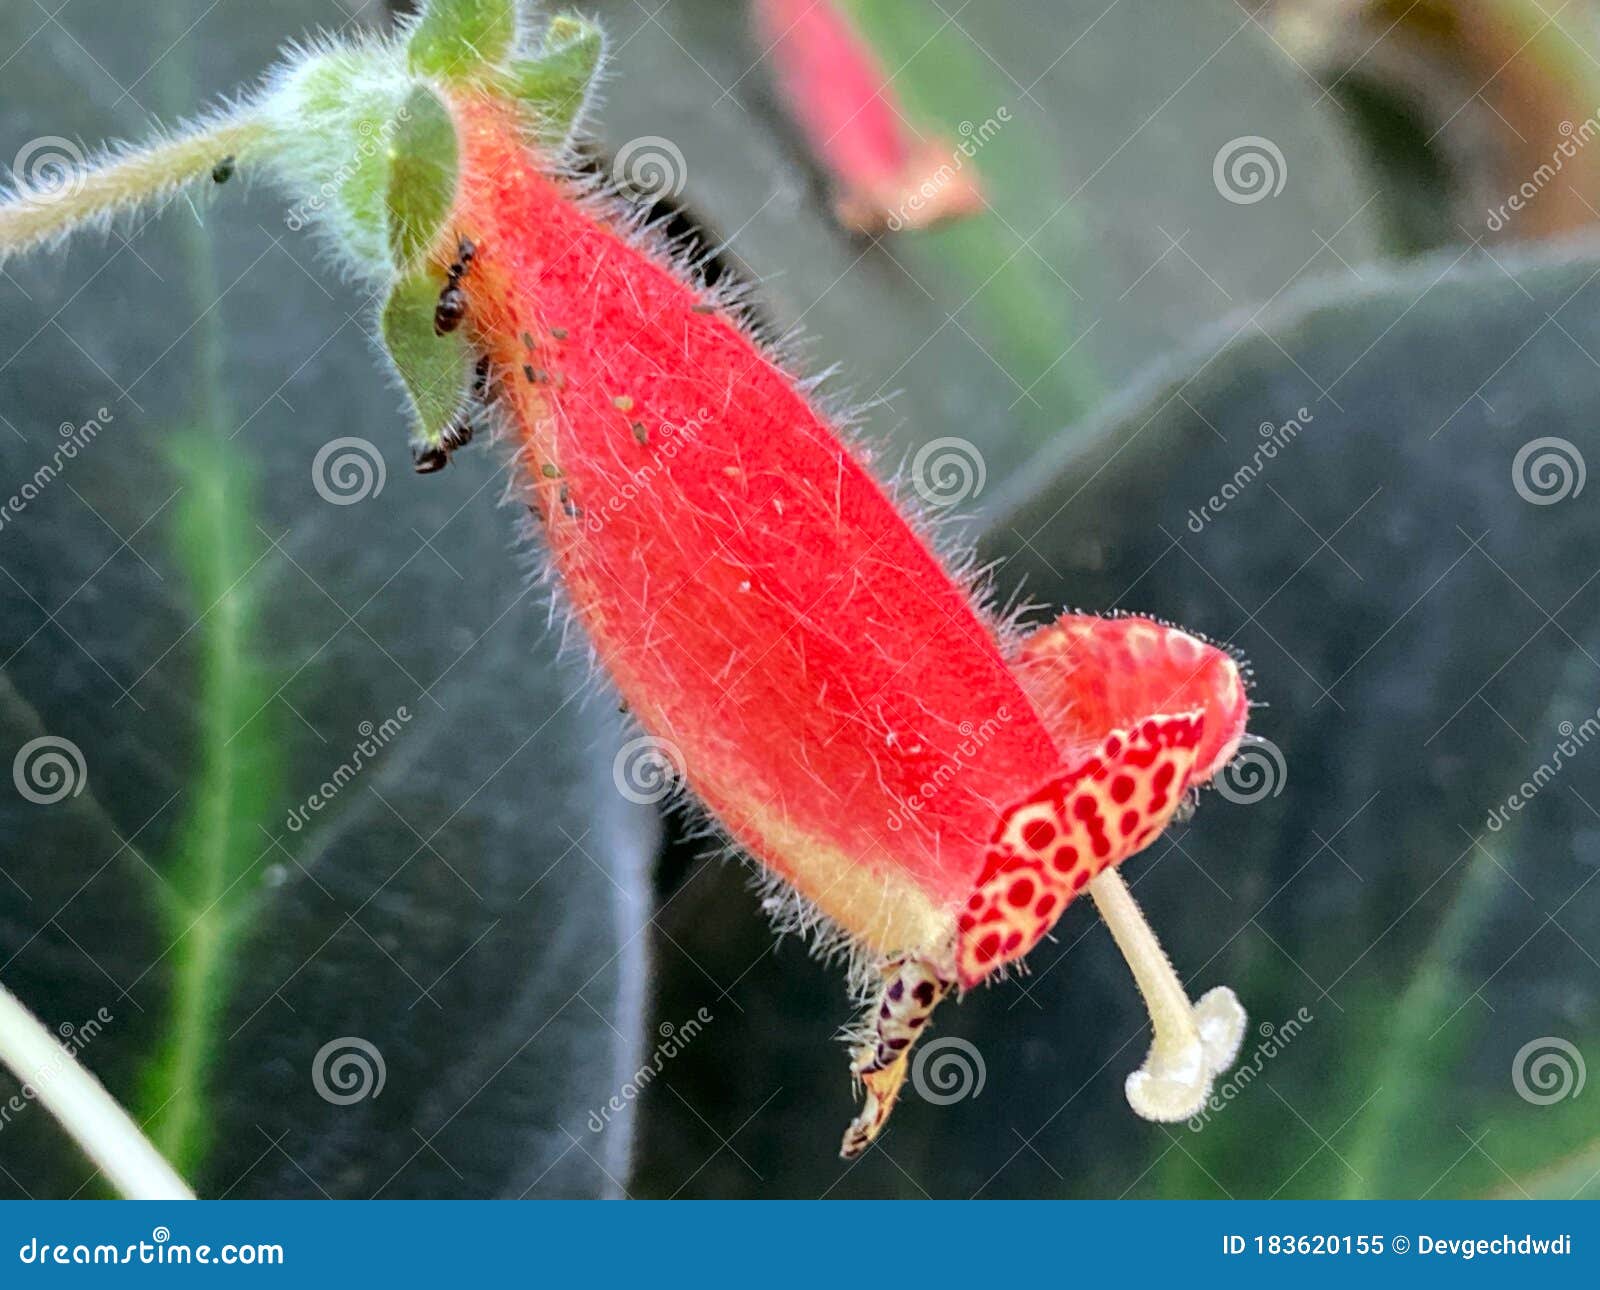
x=312, y=847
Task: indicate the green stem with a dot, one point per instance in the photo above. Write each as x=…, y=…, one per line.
x=90, y=195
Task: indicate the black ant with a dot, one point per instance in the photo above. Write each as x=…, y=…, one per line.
x=429, y=458
x=452, y=306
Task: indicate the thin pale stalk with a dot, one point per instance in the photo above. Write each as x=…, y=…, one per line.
x=84, y=1108
x=92, y=195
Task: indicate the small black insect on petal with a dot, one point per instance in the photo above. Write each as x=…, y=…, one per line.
x=450, y=310
x=223, y=170
x=430, y=458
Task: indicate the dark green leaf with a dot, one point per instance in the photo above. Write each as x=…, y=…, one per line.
x=219, y=605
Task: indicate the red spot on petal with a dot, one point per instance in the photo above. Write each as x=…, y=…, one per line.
x=1122, y=788
x=1039, y=834
x=1130, y=821
x=1021, y=893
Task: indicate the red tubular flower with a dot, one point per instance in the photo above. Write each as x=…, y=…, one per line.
x=886, y=176
x=767, y=610
x=933, y=787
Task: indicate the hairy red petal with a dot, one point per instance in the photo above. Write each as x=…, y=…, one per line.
x=1089, y=676
x=749, y=585
x=1051, y=845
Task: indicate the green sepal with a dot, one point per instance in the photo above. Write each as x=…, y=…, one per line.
x=423, y=169
x=462, y=40
x=436, y=370
x=552, y=87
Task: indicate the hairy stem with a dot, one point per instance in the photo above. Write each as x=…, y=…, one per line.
x=84, y=1108
x=46, y=208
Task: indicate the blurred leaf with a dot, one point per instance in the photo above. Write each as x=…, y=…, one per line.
x=218, y=611
x=1108, y=241
x=1463, y=109
x=1424, y=637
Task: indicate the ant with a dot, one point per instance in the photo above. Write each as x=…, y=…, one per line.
x=452, y=306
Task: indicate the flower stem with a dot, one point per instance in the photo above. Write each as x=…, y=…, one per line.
x=84, y=1108
x=80, y=194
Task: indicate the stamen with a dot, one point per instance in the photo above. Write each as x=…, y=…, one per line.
x=1193, y=1043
